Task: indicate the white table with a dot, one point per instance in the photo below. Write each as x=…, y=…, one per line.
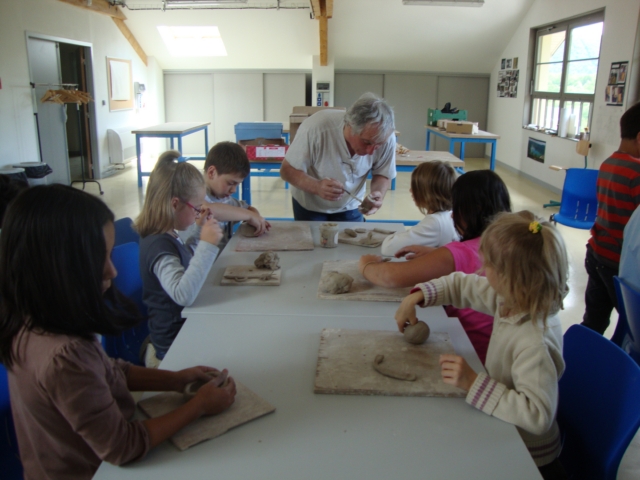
x=327, y=436
x=297, y=293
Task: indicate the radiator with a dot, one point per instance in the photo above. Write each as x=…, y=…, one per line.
x=122, y=145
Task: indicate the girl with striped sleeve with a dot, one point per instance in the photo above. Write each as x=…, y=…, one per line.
x=526, y=268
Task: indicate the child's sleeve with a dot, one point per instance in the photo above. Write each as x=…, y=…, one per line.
x=426, y=233
x=461, y=291
x=531, y=403
x=183, y=285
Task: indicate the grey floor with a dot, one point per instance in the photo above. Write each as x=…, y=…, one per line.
x=270, y=197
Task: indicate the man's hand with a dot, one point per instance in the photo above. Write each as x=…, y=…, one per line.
x=371, y=204
x=329, y=189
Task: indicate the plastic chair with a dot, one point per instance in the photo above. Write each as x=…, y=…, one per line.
x=579, y=203
x=124, y=232
x=599, y=407
x=9, y=456
x=129, y=344
x=627, y=333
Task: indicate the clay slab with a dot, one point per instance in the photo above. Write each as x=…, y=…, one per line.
x=283, y=236
x=361, y=289
x=345, y=364
x=247, y=406
x=252, y=274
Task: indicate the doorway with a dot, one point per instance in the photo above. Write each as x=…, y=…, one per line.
x=66, y=133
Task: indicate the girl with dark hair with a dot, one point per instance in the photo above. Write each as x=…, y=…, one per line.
x=71, y=403
x=477, y=197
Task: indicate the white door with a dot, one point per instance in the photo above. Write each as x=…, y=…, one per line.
x=44, y=66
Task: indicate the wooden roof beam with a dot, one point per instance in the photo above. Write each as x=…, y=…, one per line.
x=323, y=10
x=98, y=6
x=132, y=40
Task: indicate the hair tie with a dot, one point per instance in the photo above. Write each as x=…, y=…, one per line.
x=535, y=227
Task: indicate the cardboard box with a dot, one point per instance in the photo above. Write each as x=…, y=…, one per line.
x=265, y=148
x=300, y=114
x=466, y=128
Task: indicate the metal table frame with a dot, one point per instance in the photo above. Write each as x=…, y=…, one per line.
x=453, y=138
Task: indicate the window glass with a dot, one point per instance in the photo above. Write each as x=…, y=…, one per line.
x=548, y=77
x=581, y=76
x=551, y=47
x=585, y=42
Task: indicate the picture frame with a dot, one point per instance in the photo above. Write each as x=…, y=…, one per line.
x=614, y=92
x=536, y=149
x=120, y=84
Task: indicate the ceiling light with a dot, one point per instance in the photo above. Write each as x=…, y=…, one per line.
x=445, y=3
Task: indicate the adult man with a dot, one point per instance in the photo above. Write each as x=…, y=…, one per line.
x=618, y=197
x=334, y=152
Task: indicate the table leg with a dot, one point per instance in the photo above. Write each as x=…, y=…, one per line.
x=172, y=147
x=206, y=141
x=246, y=189
x=428, y=145
x=181, y=159
x=494, y=145
x=139, y=161
x=462, y=144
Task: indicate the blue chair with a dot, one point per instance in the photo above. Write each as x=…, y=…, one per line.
x=129, y=344
x=627, y=332
x=124, y=231
x=599, y=405
x=579, y=203
x=9, y=456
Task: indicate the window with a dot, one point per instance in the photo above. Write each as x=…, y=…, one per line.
x=202, y=41
x=564, y=73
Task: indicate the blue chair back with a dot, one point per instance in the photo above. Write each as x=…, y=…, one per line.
x=627, y=333
x=125, y=232
x=128, y=345
x=579, y=203
x=599, y=406
x=9, y=456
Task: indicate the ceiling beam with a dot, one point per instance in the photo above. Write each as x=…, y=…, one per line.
x=132, y=40
x=323, y=10
x=98, y=6
x=324, y=49
x=329, y=8
x=105, y=8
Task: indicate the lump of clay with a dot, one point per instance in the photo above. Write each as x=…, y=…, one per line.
x=417, y=334
x=336, y=283
x=247, y=230
x=350, y=232
x=192, y=388
x=383, y=231
x=370, y=240
x=361, y=230
x=268, y=260
x=389, y=371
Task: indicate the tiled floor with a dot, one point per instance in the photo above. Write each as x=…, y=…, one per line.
x=270, y=197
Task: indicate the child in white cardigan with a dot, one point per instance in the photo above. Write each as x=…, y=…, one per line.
x=431, y=184
x=526, y=269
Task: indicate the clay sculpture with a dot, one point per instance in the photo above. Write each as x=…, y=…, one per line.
x=268, y=260
x=417, y=334
x=350, y=232
x=370, y=240
x=360, y=230
x=390, y=371
x=336, y=283
x=383, y=231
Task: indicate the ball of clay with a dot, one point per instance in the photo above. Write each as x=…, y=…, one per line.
x=336, y=283
x=350, y=232
x=247, y=230
x=417, y=334
x=192, y=388
x=268, y=260
x=361, y=230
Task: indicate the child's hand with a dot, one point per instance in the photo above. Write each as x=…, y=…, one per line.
x=205, y=214
x=216, y=396
x=371, y=204
x=211, y=231
x=329, y=189
x=456, y=371
x=260, y=224
x=192, y=374
x=366, y=260
x=413, y=251
x=406, y=313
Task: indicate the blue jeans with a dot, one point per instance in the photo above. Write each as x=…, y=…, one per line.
x=600, y=295
x=301, y=213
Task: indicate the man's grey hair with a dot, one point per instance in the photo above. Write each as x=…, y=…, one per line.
x=369, y=109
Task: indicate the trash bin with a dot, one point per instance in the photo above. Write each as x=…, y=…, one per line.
x=36, y=172
x=14, y=172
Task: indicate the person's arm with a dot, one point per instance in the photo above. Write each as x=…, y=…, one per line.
x=425, y=233
x=436, y=264
x=232, y=213
x=327, y=188
x=141, y=379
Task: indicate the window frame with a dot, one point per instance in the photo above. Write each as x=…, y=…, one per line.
x=562, y=97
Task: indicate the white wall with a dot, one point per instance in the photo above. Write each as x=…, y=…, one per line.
x=506, y=114
x=18, y=137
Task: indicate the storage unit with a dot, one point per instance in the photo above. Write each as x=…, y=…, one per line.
x=253, y=130
x=433, y=115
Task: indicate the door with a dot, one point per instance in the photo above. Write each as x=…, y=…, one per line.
x=50, y=118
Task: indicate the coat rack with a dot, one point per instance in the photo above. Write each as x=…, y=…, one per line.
x=69, y=93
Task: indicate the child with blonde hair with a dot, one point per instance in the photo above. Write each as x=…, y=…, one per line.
x=526, y=268
x=172, y=272
x=431, y=184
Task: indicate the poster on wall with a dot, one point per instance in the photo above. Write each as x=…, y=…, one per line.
x=120, y=83
x=535, y=149
x=508, y=83
x=614, y=93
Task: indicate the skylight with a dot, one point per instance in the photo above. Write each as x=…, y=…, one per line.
x=193, y=41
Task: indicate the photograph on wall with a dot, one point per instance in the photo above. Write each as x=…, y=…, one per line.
x=509, y=63
x=614, y=92
x=515, y=63
x=503, y=64
x=535, y=149
x=508, y=83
